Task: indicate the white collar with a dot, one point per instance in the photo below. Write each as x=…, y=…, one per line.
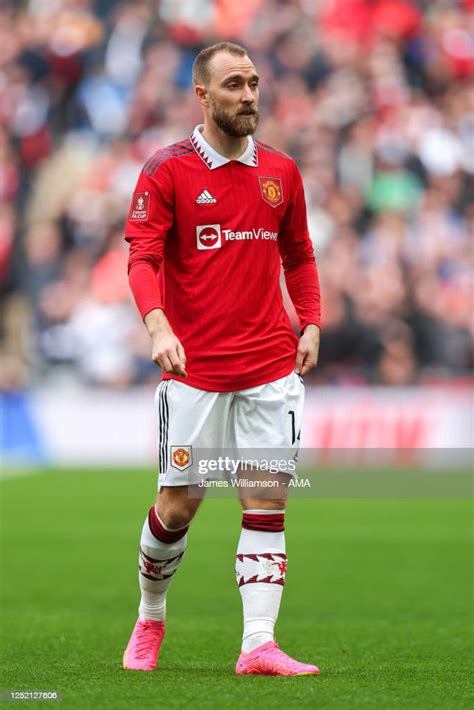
x=213, y=159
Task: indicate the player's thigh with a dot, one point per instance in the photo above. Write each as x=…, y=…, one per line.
x=269, y=416
x=267, y=424
x=188, y=419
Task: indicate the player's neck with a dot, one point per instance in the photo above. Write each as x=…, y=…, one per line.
x=228, y=146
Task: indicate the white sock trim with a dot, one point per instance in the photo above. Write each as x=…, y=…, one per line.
x=254, y=511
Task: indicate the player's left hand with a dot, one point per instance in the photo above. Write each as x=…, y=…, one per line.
x=308, y=350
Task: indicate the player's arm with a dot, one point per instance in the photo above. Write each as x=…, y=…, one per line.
x=301, y=276
x=149, y=221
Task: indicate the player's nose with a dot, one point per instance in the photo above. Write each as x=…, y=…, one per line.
x=247, y=95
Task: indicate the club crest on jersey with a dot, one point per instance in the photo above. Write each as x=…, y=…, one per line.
x=271, y=190
x=140, y=206
x=181, y=457
x=208, y=236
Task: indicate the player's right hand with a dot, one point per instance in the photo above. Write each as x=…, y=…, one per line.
x=167, y=350
x=169, y=354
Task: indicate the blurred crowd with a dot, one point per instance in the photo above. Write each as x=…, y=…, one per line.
x=373, y=98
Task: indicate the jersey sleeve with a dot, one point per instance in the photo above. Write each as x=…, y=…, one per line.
x=149, y=220
x=297, y=255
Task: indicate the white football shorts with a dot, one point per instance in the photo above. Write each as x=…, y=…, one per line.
x=193, y=422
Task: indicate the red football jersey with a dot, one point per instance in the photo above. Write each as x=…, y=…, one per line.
x=207, y=238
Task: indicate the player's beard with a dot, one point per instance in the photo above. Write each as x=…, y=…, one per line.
x=235, y=125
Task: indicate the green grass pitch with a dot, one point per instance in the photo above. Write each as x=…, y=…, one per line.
x=378, y=594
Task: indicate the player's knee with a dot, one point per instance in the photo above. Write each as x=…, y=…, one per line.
x=175, y=509
x=175, y=519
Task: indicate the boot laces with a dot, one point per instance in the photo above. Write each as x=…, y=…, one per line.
x=147, y=636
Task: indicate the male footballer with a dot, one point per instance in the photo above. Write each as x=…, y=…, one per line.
x=212, y=219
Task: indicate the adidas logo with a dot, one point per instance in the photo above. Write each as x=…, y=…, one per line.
x=205, y=198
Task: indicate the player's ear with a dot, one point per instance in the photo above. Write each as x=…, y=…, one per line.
x=202, y=95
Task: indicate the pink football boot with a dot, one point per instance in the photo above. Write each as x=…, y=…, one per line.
x=141, y=653
x=267, y=659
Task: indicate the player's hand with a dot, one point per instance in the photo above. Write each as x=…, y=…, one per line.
x=308, y=350
x=168, y=353
x=167, y=350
